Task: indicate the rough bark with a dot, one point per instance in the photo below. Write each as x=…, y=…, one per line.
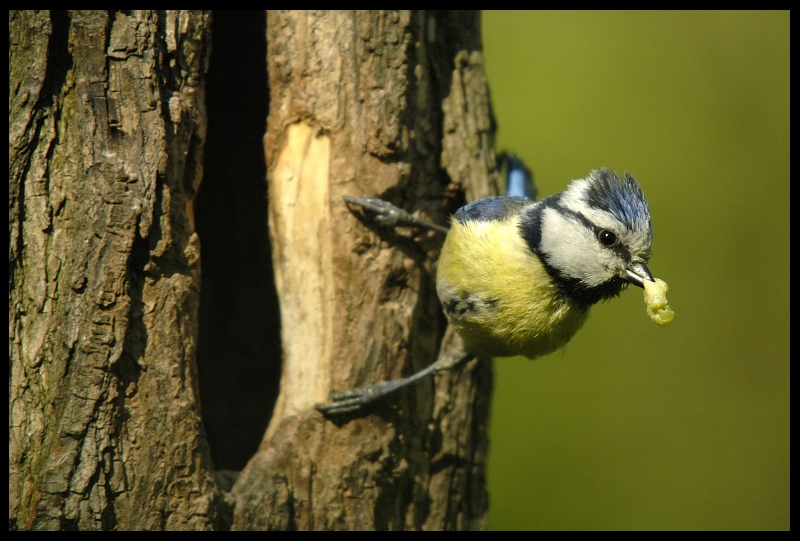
x=106, y=126
x=106, y=130
x=395, y=105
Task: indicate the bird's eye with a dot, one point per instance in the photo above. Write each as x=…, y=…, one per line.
x=607, y=238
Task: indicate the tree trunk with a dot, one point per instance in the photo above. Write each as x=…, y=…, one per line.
x=106, y=129
x=383, y=104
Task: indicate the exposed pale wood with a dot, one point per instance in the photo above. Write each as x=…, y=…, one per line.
x=395, y=105
x=106, y=130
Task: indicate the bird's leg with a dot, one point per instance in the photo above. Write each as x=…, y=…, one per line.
x=354, y=400
x=389, y=215
x=386, y=214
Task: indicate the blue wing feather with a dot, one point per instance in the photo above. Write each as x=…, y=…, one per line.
x=491, y=208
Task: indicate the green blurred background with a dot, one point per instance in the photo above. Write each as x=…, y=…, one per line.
x=636, y=426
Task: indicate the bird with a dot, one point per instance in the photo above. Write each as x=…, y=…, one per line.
x=518, y=277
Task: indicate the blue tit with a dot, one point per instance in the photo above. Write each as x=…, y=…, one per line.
x=518, y=277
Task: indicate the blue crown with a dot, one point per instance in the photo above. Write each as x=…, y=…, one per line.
x=623, y=198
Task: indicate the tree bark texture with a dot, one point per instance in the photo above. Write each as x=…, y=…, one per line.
x=394, y=105
x=106, y=131
x=106, y=127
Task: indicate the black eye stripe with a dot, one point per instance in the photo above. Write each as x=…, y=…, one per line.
x=589, y=225
x=617, y=246
x=569, y=212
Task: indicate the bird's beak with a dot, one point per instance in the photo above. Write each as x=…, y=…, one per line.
x=636, y=273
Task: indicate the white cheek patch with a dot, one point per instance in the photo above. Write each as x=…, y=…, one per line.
x=572, y=249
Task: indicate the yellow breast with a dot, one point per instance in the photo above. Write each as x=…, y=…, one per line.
x=504, y=301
